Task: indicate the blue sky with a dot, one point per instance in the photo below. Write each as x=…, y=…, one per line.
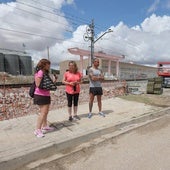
x=111, y=12
x=141, y=28
x=6, y=1
x=107, y=12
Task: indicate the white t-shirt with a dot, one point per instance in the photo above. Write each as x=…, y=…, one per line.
x=94, y=72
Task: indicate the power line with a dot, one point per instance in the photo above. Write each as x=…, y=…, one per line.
x=10, y=23
x=38, y=35
x=70, y=17
x=11, y=50
x=74, y=19
x=28, y=33
x=43, y=11
x=40, y=9
x=40, y=16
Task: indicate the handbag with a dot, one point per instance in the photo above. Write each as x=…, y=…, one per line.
x=32, y=89
x=47, y=83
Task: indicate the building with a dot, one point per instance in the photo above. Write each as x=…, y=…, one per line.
x=127, y=71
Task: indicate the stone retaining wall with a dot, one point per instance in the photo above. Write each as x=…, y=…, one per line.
x=15, y=102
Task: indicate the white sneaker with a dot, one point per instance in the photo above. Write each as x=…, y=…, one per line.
x=38, y=133
x=101, y=114
x=76, y=117
x=89, y=115
x=47, y=129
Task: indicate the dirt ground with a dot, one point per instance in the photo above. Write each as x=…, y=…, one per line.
x=145, y=148
x=162, y=100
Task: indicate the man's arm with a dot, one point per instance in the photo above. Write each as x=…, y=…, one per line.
x=101, y=77
x=95, y=78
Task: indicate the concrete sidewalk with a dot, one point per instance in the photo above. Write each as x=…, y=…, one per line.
x=19, y=146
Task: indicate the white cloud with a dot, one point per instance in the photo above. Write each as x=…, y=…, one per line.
x=36, y=27
x=154, y=6
x=146, y=43
x=156, y=24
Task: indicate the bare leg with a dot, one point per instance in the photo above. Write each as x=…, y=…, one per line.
x=75, y=110
x=45, y=116
x=91, y=102
x=99, y=102
x=42, y=117
x=70, y=111
x=100, y=105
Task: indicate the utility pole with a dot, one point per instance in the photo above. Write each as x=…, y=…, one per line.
x=24, y=46
x=48, y=54
x=89, y=35
x=92, y=42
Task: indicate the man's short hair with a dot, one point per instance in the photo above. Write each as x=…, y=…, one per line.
x=95, y=58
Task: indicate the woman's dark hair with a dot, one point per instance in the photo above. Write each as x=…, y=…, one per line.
x=41, y=65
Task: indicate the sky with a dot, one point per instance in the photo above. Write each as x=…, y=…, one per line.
x=140, y=29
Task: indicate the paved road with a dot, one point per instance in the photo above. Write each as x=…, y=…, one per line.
x=145, y=148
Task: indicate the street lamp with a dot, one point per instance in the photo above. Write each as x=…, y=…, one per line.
x=108, y=31
x=89, y=35
x=94, y=41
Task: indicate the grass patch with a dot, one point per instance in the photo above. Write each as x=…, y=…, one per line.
x=138, y=98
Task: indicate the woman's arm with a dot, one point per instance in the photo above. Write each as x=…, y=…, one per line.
x=64, y=81
x=55, y=78
x=38, y=77
x=38, y=81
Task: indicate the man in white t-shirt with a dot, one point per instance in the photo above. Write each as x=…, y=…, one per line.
x=95, y=78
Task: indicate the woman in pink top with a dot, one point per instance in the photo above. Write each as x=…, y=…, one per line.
x=72, y=79
x=42, y=98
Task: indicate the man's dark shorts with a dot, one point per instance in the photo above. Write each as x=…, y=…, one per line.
x=96, y=90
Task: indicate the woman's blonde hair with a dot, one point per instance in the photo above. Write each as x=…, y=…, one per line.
x=75, y=65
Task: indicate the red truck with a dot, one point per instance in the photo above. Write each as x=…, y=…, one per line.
x=164, y=72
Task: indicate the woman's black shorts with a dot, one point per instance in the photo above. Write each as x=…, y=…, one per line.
x=41, y=100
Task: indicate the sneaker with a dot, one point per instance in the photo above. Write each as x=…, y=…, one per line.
x=76, y=117
x=47, y=129
x=101, y=114
x=70, y=118
x=89, y=115
x=38, y=133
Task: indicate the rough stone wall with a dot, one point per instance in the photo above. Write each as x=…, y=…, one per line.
x=15, y=102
